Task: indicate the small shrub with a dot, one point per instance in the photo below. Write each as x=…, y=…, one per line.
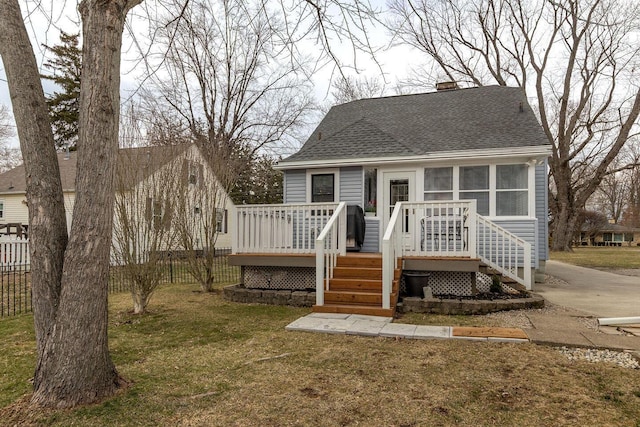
x=496, y=285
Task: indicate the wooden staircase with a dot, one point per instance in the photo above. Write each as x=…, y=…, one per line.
x=356, y=287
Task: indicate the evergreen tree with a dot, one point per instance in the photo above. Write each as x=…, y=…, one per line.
x=65, y=67
x=259, y=183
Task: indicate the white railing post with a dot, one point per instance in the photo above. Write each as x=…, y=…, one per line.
x=528, y=283
x=391, y=246
x=472, y=242
x=319, y=272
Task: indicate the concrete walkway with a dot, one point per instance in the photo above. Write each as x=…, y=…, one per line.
x=549, y=329
x=599, y=293
x=588, y=293
x=373, y=326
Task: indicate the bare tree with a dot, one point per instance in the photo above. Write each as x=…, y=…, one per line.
x=70, y=280
x=575, y=58
x=590, y=223
x=200, y=216
x=231, y=81
x=70, y=273
x=350, y=88
x=611, y=196
x=9, y=157
x=147, y=185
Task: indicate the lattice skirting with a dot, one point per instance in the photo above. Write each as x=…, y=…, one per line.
x=279, y=277
x=451, y=282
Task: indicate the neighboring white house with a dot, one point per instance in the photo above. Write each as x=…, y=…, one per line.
x=142, y=165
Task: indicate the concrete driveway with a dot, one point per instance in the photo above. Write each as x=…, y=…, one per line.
x=599, y=293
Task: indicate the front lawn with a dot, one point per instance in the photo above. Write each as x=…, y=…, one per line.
x=601, y=257
x=196, y=359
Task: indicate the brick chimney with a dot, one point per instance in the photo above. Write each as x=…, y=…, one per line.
x=440, y=86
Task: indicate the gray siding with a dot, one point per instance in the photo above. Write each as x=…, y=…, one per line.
x=351, y=182
x=525, y=229
x=295, y=186
x=371, y=235
x=542, y=209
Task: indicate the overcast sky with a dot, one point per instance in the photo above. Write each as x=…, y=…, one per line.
x=46, y=21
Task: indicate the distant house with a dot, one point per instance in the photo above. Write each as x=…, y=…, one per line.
x=136, y=168
x=612, y=235
x=454, y=182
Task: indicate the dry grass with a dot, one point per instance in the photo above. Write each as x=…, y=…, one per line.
x=197, y=360
x=601, y=257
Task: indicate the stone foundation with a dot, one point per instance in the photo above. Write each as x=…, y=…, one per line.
x=238, y=293
x=456, y=306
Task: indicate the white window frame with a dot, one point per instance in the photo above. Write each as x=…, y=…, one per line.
x=336, y=183
x=193, y=171
x=531, y=186
x=511, y=190
x=2, y=209
x=221, y=222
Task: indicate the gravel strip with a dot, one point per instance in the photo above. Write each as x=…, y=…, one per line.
x=620, y=358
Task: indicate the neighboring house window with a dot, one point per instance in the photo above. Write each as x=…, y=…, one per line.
x=438, y=183
x=323, y=187
x=194, y=176
x=1, y=209
x=512, y=197
x=474, y=184
x=221, y=220
x=192, y=172
x=158, y=212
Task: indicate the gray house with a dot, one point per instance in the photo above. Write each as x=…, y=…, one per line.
x=453, y=183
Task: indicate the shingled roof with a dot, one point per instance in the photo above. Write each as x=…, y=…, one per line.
x=415, y=125
x=14, y=180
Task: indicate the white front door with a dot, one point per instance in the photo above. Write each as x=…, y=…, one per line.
x=397, y=187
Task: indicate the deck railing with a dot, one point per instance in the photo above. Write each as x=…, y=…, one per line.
x=391, y=251
x=504, y=251
x=438, y=228
x=279, y=228
x=331, y=242
x=451, y=229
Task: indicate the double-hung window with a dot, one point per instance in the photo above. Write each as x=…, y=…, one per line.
x=323, y=188
x=474, y=184
x=438, y=183
x=221, y=220
x=512, y=197
x=1, y=209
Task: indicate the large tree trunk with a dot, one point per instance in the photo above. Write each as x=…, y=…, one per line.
x=47, y=222
x=75, y=366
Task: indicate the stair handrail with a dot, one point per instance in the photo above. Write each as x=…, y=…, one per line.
x=510, y=261
x=391, y=251
x=331, y=242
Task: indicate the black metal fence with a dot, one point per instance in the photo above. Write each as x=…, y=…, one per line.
x=15, y=289
x=15, y=280
x=175, y=270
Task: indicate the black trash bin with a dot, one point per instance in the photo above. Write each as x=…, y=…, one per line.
x=355, y=228
x=414, y=281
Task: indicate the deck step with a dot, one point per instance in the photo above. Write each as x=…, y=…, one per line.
x=356, y=285
x=362, y=260
x=348, y=297
x=360, y=285
x=362, y=273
